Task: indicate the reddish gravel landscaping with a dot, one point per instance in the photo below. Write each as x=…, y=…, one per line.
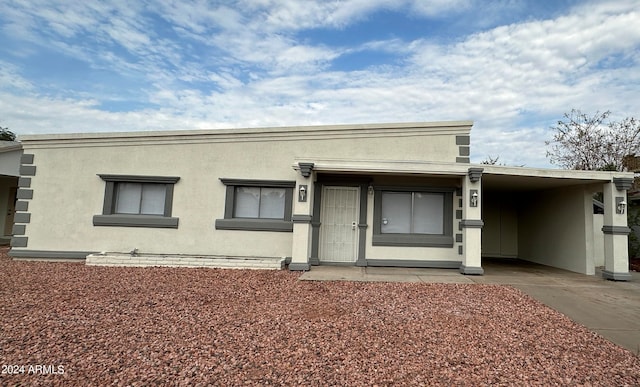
x=147, y=326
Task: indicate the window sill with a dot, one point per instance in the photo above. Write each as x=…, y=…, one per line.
x=408, y=240
x=254, y=225
x=150, y=221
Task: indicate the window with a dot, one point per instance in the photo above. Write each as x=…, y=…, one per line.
x=257, y=205
x=259, y=202
x=412, y=213
x=140, y=198
x=137, y=201
x=409, y=217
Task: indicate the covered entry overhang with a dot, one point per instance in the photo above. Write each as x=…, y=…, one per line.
x=539, y=215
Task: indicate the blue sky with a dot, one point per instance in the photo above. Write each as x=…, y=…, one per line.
x=512, y=66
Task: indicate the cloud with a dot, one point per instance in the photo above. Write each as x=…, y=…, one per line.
x=190, y=64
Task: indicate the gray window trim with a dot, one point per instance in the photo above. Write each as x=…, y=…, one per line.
x=257, y=224
x=109, y=218
x=413, y=240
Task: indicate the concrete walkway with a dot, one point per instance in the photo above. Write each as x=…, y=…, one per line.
x=612, y=309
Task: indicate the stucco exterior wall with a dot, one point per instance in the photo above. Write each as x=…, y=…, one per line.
x=598, y=240
x=10, y=162
x=556, y=229
x=67, y=190
x=500, y=230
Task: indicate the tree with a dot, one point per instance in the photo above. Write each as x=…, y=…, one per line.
x=490, y=160
x=6, y=134
x=593, y=142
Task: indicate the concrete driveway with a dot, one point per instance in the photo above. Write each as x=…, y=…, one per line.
x=612, y=309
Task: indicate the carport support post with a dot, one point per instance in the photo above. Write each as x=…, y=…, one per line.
x=616, y=231
x=471, y=223
x=302, y=211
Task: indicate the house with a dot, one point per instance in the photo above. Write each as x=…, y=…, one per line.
x=10, y=154
x=402, y=194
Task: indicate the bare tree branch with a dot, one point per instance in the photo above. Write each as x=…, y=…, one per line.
x=588, y=142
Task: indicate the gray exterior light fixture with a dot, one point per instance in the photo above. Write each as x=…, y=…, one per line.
x=473, y=198
x=302, y=193
x=621, y=205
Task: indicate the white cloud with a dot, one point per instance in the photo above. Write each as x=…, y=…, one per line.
x=256, y=73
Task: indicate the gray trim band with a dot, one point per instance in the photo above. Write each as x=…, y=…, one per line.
x=24, y=182
x=412, y=263
x=463, y=160
x=412, y=240
x=19, y=241
x=22, y=217
x=623, y=183
x=18, y=229
x=299, y=267
x=475, y=174
x=140, y=179
x=471, y=223
x=471, y=270
x=49, y=254
x=24, y=193
x=616, y=230
x=119, y=220
x=26, y=158
x=616, y=276
x=259, y=183
x=27, y=170
x=306, y=169
x=463, y=140
x=254, y=225
x=22, y=206
x=301, y=218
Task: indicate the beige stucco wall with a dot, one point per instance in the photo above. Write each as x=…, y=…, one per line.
x=555, y=228
x=10, y=162
x=598, y=240
x=68, y=192
x=500, y=230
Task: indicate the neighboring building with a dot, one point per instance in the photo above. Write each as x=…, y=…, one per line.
x=10, y=154
x=368, y=195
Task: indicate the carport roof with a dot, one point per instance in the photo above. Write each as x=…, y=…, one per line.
x=497, y=177
x=494, y=177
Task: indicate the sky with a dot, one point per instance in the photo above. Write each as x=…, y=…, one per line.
x=514, y=67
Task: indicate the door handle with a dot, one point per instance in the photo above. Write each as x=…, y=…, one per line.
x=353, y=225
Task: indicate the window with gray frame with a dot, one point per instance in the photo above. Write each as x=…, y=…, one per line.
x=257, y=205
x=137, y=201
x=413, y=217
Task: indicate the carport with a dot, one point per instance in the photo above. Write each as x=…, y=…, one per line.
x=546, y=216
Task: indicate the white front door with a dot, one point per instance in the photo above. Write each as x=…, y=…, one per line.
x=339, y=224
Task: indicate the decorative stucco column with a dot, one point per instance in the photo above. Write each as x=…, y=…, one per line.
x=302, y=210
x=471, y=223
x=615, y=229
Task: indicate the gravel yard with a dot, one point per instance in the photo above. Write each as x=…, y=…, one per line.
x=147, y=326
